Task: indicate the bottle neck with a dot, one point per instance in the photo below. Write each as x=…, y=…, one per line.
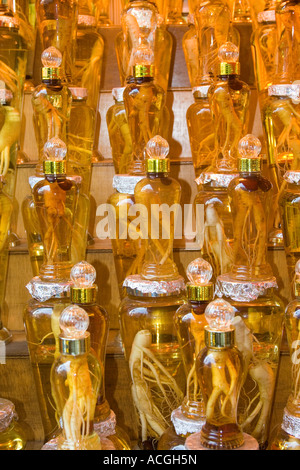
x=154, y=176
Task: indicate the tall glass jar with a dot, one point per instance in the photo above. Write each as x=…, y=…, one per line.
x=57, y=23
x=12, y=436
x=56, y=198
x=201, y=130
x=215, y=229
x=84, y=293
x=75, y=378
x=147, y=321
x=41, y=317
x=119, y=132
x=289, y=216
x=288, y=436
x=51, y=103
x=6, y=210
x=190, y=322
x=281, y=127
x=88, y=57
x=128, y=251
x=145, y=104
x=229, y=99
x=81, y=137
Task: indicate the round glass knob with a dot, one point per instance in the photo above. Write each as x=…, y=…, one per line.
x=74, y=322
x=51, y=57
x=199, y=272
x=219, y=315
x=83, y=274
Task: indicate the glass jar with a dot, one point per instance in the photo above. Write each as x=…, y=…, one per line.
x=119, y=133
x=229, y=100
x=212, y=22
x=145, y=104
x=147, y=320
x=241, y=11
x=263, y=47
x=171, y=11
x=102, y=12
x=128, y=251
x=6, y=210
x=75, y=378
x=215, y=231
x=201, y=130
x=81, y=137
x=56, y=24
x=88, y=57
x=280, y=123
x=289, y=216
x=190, y=321
x=12, y=436
x=51, y=103
x=41, y=321
x=56, y=198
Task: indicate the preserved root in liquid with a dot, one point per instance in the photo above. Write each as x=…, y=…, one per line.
x=120, y=137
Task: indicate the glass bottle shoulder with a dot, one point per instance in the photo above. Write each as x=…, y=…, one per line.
x=130, y=303
x=250, y=182
x=230, y=85
x=53, y=183
x=164, y=183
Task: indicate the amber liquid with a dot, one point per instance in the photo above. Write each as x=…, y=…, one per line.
x=12, y=438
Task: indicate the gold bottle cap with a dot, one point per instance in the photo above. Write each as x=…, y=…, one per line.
x=200, y=293
x=54, y=167
x=74, y=346
x=143, y=71
x=250, y=165
x=51, y=73
x=84, y=295
x=226, y=68
x=219, y=339
x=158, y=165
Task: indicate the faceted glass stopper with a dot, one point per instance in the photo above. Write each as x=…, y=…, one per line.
x=199, y=272
x=229, y=52
x=51, y=57
x=74, y=322
x=249, y=146
x=83, y=274
x=157, y=147
x=144, y=55
x=55, y=149
x=219, y=315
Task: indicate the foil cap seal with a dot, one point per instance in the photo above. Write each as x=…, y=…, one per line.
x=138, y=287
x=201, y=91
x=86, y=20
x=107, y=427
x=117, y=93
x=292, y=177
x=267, y=16
x=184, y=426
x=218, y=180
x=43, y=291
x=78, y=93
x=291, y=424
x=5, y=96
x=9, y=22
x=125, y=184
x=7, y=413
x=290, y=90
x=243, y=291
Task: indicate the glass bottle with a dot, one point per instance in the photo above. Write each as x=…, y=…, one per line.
x=6, y=210
x=280, y=122
x=75, y=378
x=250, y=287
x=287, y=20
x=83, y=292
x=289, y=216
x=147, y=320
x=212, y=21
x=41, y=322
x=12, y=436
x=154, y=194
x=241, y=11
x=215, y=224
x=128, y=251
x=229, y=99
x=119, y=132
x=56, y=198
x=145, y=104
x=51, y=103
x=201, y=130
x=190, y=322
x=263, y=47
x=88, y=58
x=81, y=137
x=141, y=24
x=288, y=436
x=57, y=23
x=220, y=373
